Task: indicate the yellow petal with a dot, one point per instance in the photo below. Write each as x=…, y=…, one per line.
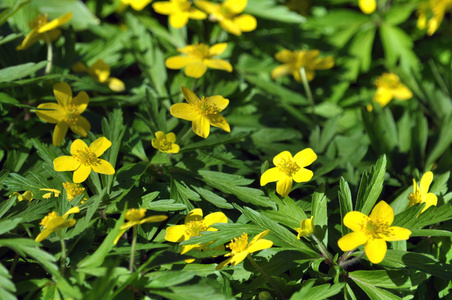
x=100, y=70
x=375, y=250
x=80, y=101
x=284, y=185
x=99, y=146
x=56, y=23
x=430, y=199
x=115, y=84
x=426, y=180
x=164, y=7
x=305, y=157
x=81, y=174
x=194, y=215
x=246, y=22
x=175, y=233
x=43, y=235
x=219, y=121
x=238, y=258
x=383, y=96
x=174, y=148
x=65, y=163
x=303, y=175
x=78, y=145
x=285, y=56
x=59, y=133
x=206, y=6
x=367, y=6
x=324, y=63
x=201, y=126
x=216, y=217
x=63, y=93
x=271, y=175
x=230, y=26
x=139, y=4
x=397, y=234
x=355, y=220
x=184, y=111
x=217, y=49
x=103, y=167
x=196, y=14
x=218, y=64
x=79, y=67
x=224, y=263
x=352, y=240
x=219, y=102
x=189, y=95
x=178, y=62
x=382, y=211
x=170, y=137
x=31, y=38
x=81, y=127
x=281, y=70
x=73, y=210
x=402, y=92
x=153, y=219
x=260, y=245
x=235, y=6
x=195, y=69
x=119, y=236
x=178, y=19
x=160, y=135
x=285, y=155
x=50, y=116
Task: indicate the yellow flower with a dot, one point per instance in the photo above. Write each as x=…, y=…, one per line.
x=240, y=248
x=388, y=87
x=27, y=195
x=367, y=6
x=194, y=224
x=227, y=15
x=135, y=216
x=203, y=112
x=52, y=222
x=136, y=4
x=51, y=193
x=165, y=143
x=289, y=169
x=198, y=58
x=100, y=71
x=372, y=231
x=73, y=190
x=42, y=29
x=306, y=228
x=420, y=193
x=179, y=12
x=84, y=159
x=434, y=11
x=66, y=114
x=293, y=61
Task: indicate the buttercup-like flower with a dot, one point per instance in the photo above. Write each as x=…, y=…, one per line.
x=198, y=58
x=293, y=61
x=66, y=113
x=73, y=190
x=240, y=248
x=179, y=12
x=52, y=222
x=136, y=4
x=306, y=228
x=100, y=71
x=388, y=87
x=367, y=6
x=203, y=112
x=84, y=159
x=420, y=193
x=51, y=193
x=289, y=169
x=227, y=15
x=431, y=14
x=194, y=224
x=135, y=216
x=372, y=231
x=165, y=143
x=27, y=195
x=42, y=29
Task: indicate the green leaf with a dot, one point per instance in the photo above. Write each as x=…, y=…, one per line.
x=319, y=292
x=345, y=202
x=371, y=187
x=390, y=279
x=430, y=232
x=320, y=213
x=164, y=205
x=266, y=9
x=9, y=224
x=7, y=287
x=213, y=198
x=443, y=142
x=288, y=213
x=428, y=264
x=164, y=279
x=13, y=73
x=373, y=292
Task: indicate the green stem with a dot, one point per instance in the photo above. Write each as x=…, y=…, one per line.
x=63, y=253
x=14, y=264
x=132, y=248
x=345, y=264
x=344, y=257
x=49, y=55
x=271, y=281
x=185, y=136
x=304, y=80
x=325, y=254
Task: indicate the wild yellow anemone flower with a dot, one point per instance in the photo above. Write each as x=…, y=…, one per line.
x=240, y=248
x=372, y=231
x=388, y=87
x=306, y=228
x=42, y=29
x=434, y=11
x=73, y=190
x=227, y=15
x=293, y=61
x=135, y=217
x=51, y=193
x=367, y=6
x=100, y=71
x=85, y=159
x=289, y=169
x=198, y=58
x=52, y=222
x=165, y=143
x=27, y=195
x=202, y=112
x=420, y=193
x=66, y=114
x=136, y=4
x=179, y=12
x=194, y=224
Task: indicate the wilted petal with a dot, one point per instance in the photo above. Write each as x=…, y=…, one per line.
x=375, y=250
x=352, y=240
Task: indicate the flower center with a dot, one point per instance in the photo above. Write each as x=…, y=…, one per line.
x=135, y=214
x=390, y=81
x=47, y=219
x=183, y=5
x=288, y=167
x=239, y=244
x=206, y=107
x=40, y=21
x=165, y=145
x=194, y=228
x=415, y=197
x=376, y=228
x=86, y=157
x=71, y=114
x=200, y=51
x=72, y=190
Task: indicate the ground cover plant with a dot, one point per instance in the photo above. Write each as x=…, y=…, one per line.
x=260, y=149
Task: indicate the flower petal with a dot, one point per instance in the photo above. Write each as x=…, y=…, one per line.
x=99, y=146
x=50, y=116
x=63, y=93
x=218, y=64
x=352, y=240
x=159, y=135
x=56, y=23
x=285, y=155
x=195, y=69
x=178, y=62
x=119, y=236
x=324, y=63
x=271, y=175
x=303, y=175
x=79, y=67
x=367, y=6
x=238, y=258
x=43, y=235
x=100, y=70
x=383, y=211
x=175, y=233
x=430, y=199
x=260, y=245
x=216, y=217
x=194, y=215
x=139, y=4
x=178, y=19
x=401, y=92
x=355, y=220
x=31, y=38
x=235, y=6
x=305, y=157
x=285, y=56
x=103, y=167
x=153, y=219
x=281, y=70
x=59, y=133
x=219, y=121
x=201, y=126
x=65, y=163
x=189, y=95
x=80, y=101
x=171, y=137
x=73, y=210
x=219, y=102
x=383, y=96
x=284, y=185
x=376, y=250
x=164, y=7
x=81, y=127
x=206, y=6
x=196, y=14
x=223, y=264
x=115, y=84
x=396, y=233
x=184, y=111
x=246, y=22
x=230, y=27
x=426, y=180
x=81, y=173
x=217, y=49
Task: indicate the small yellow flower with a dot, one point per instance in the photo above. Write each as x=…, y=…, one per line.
x=372, y=231
x=431, y=14
x=388, y=87
x=194, y=224
x=42, y=29
x=136, y=4
x=420, y=193
x=227, y=15
x=84, y=159
x=306, y=228
x=73, y=190
x=135, y=216
x=293, y=61
x=100, y=71
x=66, y=114
x=367, y=6
x=198, y=58
x=203, y=112
x=52, y=222
x=179, y=12
x=289, y=169
x=51, y=193
x=240, y=248
x=165, y=143
x=27, y=195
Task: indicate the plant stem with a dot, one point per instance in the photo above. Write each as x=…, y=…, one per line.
x=49, y=55
x=63, y=253
x=325, y=254
x=14, y=264
x=132, y=248
x=345, y=264
x=304, y=80
x=344, y=257
x=185, y=136
x=271, y=281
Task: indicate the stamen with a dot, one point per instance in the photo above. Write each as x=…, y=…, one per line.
x=288, y=167
x=194, y=228
x=71, y=115
x=135, y=214
x=86, y=157
x=239, y=244
x=73, y=190
x=51, y=216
